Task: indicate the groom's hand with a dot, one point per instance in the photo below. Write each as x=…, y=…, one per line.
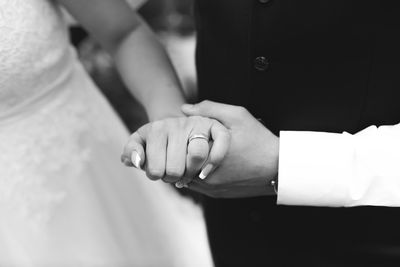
x=252, y=159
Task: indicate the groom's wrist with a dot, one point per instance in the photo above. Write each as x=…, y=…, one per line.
x=273, y=167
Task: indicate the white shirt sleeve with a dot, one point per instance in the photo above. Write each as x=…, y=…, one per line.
x=340, y=170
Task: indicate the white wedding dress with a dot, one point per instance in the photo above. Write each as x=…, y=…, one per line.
x=65, y=198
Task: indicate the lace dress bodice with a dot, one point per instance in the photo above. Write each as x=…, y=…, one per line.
x=50, y=111
x=34, y=50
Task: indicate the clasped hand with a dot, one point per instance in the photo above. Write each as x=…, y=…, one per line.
x=231, y=154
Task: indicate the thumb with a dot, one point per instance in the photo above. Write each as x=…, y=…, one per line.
x=221, y=112
x=134, y=150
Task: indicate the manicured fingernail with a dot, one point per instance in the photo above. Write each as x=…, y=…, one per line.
x=136, y=159
x=179, y=184
x=206, y=171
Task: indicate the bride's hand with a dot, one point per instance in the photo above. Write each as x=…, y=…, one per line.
x=175, y=149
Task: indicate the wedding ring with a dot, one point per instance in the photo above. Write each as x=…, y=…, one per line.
x=198, y=136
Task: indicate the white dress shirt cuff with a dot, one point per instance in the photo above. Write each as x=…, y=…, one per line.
x=308, y=175
x=336, y=170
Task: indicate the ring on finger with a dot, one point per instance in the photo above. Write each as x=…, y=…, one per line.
x=198, y=136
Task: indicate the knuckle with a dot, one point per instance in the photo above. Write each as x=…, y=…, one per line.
x=155, y=173
x=188, y=123
x=191, y=119
x=176, y=172
x=170, y=180
x=172, y=125
x=180, y=120
x=168, y=121
x=205, y=121
x=130, y=143
x=198, y=118
x=158, y=126
x=194, y=122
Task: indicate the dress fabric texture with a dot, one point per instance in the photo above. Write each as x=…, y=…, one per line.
x=65, y=198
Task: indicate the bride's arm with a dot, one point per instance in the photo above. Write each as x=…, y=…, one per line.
x=140, y=58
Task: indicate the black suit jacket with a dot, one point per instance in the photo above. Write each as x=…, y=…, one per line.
x=318, y=65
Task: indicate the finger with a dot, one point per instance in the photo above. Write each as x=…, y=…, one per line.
x=133, y=153
x=156, y=147
x=179, y=184
x=219, y=149
x=222, y=112
x=176, y=156
x=198, y=150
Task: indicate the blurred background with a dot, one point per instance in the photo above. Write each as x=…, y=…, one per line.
x=172, y=21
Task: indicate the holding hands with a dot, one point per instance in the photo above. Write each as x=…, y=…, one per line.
x=175, y=149
x=237, y=158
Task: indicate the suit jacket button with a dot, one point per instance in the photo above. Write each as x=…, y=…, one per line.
x=261, y=63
